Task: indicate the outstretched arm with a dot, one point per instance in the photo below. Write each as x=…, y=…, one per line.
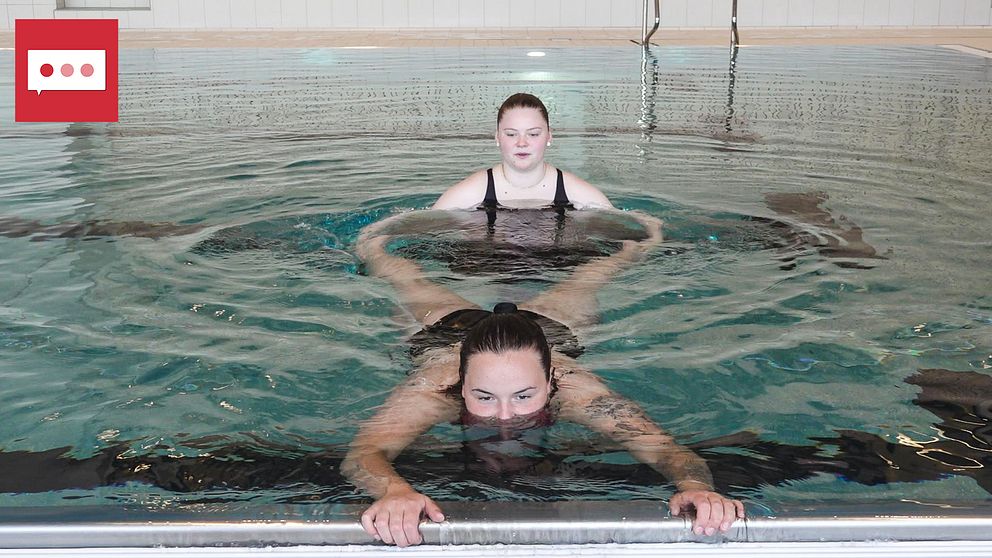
x=425, y=299
x=410, y=410
x=573, y=301
x=586, y=401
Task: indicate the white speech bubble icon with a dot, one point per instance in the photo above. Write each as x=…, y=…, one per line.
x=67, y=70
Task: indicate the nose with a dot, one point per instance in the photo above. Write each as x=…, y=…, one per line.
x=505, y=411
x=521, y=139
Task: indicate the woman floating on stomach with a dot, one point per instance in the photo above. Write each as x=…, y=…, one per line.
x=509, y=370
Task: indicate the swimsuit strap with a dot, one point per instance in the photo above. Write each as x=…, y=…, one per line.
x=561, y=198
x=490, y=202
x=560, y=202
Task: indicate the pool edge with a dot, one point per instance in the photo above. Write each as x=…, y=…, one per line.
x=496, y=523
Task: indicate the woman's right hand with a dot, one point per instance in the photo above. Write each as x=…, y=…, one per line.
x=395, y=518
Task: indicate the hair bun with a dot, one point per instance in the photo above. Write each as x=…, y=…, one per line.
x=505, y=308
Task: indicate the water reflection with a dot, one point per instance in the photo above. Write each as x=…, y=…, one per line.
x=731, y=84
x=648, y=121
x=649, y=92
x=960, y=444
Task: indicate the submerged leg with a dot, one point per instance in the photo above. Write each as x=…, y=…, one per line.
x=573, y=301
x=425, y=299
x=15, y=227
x=843, y=238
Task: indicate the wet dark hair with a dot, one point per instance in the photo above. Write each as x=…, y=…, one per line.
x=522, y=100
x=504, y=330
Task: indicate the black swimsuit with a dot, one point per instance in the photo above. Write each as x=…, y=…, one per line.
x=560, y=202
x=453, y=328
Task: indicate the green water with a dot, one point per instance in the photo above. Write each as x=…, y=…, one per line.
x=258, y=331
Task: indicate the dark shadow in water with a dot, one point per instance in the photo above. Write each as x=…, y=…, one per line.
x=265, y=466
x=961, y=445
x=545, y=241
x=801, y=224
x=15, y=227
x=839, y=238
x=511, y=245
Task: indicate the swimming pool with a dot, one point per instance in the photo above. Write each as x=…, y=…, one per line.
x=818, y=351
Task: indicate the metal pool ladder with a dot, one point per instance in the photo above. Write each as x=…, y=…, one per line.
x=735, y=37
x=645, y=35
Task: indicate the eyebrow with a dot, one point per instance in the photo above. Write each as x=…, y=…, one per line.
x=514, y=393
x=539, y=128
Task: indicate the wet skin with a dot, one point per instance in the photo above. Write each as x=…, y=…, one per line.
x=507, y=387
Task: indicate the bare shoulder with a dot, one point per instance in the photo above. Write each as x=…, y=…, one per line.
x=467, y=194
x=584, y=195
x=413, y=406
x=437, y=369
x=584, y=399
x=576, y=384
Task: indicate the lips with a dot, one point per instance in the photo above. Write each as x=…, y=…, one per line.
x=521, y=155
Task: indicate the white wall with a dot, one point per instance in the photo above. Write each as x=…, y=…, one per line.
x=237, y=14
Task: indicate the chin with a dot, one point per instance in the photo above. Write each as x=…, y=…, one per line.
x=536, y=419
x=527, y=164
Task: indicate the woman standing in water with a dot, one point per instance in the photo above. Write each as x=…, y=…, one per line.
x=511, y=369
x=523, y=179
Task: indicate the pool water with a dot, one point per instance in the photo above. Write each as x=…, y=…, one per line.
x=818, y=324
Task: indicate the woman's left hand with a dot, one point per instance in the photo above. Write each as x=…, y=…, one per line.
x=712, y=511
x=652, y=226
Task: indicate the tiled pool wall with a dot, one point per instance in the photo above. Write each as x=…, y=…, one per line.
x=498, y=14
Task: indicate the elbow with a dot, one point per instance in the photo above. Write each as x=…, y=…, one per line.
x=349, y=466
x=354, y=466
x=361, y=461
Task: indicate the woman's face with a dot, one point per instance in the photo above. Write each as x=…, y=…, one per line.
x=522, y=136
x=504, y=386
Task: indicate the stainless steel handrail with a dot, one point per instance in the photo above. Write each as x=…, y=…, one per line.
x=487, y=523
x=645, y=35
x=735, y=38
